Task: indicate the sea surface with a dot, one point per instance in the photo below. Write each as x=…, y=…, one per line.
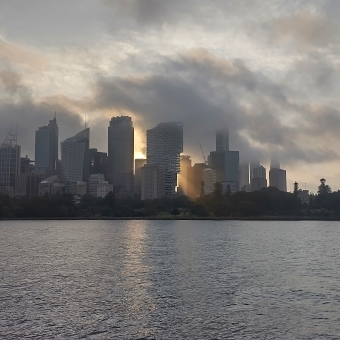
x=169, y=280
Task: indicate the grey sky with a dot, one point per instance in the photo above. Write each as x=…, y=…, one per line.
x=269, y=69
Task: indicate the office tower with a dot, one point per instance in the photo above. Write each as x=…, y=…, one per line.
x=258, y=178
x=98, y=162
x=209, y=180
x=277, y=178
x=139, y=163
x=46, y=148
x=252, y=166
x=222, y=140
x=152, y=182
x=185, y=163
x=194, y=180
x=244, y=176
x=225, y=162
x=98, y=187
x=9, y=163
x=164, y=146
x=75, y=157
x=121, y=154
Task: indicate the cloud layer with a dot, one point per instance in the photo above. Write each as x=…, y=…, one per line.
x=267, y=69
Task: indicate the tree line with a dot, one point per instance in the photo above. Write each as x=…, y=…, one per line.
x=265, y=202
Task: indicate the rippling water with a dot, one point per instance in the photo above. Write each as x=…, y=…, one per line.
x=169, y=280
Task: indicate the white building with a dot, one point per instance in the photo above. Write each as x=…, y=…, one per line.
x=209, y=179
x=98, y=187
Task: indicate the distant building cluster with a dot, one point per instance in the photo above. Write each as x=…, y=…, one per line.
x=165, y=172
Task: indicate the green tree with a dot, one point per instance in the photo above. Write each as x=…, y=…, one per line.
x=175, y=212
x=323, y=187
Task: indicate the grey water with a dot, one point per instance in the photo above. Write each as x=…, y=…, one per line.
x=169, y=280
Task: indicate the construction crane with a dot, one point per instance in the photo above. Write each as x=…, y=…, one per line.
x=205, y=160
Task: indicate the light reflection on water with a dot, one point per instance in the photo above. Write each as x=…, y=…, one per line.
x=169, y=280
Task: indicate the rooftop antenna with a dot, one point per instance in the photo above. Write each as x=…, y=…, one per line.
x=85, y=121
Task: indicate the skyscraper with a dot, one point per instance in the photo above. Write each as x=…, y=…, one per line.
x=225, y=162
x=244, y=176
x=98, y=162
x=258, y=178
x=46, y=148
x=182, y=177
x=121, y=154
x=139, y=163
x=75, y=157
x=277, y=178
x=152, y=182
x=9, y=162
x=209, y=180
x=164, y=146
x=222, y=140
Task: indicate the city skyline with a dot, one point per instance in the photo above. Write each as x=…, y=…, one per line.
x=266, y=68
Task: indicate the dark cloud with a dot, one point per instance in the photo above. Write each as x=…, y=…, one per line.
x=22, y=111
x=206, y=92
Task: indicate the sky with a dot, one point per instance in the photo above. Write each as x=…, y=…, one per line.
x=269, y=70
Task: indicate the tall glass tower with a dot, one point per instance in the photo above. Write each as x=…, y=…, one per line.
x=121, y=154
x=75, y=157
x=9, y=161
x=46, y=147
x=164, y=146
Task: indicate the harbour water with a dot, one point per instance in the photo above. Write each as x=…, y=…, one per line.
x=169, y=280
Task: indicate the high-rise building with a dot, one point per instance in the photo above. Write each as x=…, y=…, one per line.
x=121, y=154
x=244, y=176
x=225, y=162
x=139, y=163
x=152, y=182
x=277, y=178
x=209, y=180
x=164, y=146
x=183, y=177
x=46, y=148
x=258, y=178
x=194, y=180
x=75, y=157
x=222, y=140
x=98, y=162
x=9, y=162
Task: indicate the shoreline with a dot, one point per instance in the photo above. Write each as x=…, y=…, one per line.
x=263, y=218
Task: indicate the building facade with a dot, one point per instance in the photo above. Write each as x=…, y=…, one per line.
x=209, y=180
x=258, y=178
x=75, y=157
x=46, y=148
x=277, y=178
x=195, y=180
x=139, y=163
x=121, y=154
x=9, y=162
x=98, y=162
x=183, y=176
x=152, y=182
x=164, y=146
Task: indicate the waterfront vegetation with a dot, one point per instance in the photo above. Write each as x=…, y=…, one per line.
x=267, y=202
